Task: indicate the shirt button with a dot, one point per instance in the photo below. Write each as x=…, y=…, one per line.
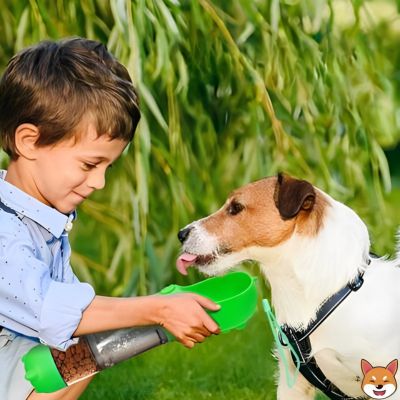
x=68, y=226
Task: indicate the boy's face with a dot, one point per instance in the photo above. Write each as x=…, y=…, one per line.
x=65, y=174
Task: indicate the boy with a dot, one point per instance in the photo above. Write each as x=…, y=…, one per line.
x=68, y=109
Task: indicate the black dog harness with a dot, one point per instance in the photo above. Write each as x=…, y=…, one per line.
x=300, y=341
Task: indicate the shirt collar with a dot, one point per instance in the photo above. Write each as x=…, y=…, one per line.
x=49, y=218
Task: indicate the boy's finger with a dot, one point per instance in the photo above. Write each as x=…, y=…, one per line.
x=198, y=338
x=202, y=331
x=211, y=325
x=188, y=343
x=207, y=303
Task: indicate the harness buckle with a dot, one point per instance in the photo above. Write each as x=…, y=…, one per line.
x=282, y=342
x=354, y=286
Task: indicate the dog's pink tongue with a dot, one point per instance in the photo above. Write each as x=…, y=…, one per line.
x=184, y=261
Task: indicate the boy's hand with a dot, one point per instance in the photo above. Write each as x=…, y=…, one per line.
x=184, y=316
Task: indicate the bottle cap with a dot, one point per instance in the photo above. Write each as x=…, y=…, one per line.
x=41, y=370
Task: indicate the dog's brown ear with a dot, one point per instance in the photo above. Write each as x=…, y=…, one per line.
x=293, y=195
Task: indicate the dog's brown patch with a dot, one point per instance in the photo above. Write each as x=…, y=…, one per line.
x=250, y=216
x=310, y=224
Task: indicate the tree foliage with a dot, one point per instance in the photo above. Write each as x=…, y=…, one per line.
x=230, y=92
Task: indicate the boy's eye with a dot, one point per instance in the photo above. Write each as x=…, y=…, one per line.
x=88, y=166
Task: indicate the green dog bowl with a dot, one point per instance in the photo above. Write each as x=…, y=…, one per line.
x=235, y=292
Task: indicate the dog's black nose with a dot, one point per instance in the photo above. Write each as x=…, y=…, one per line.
x=379, y=386
x=183, y=234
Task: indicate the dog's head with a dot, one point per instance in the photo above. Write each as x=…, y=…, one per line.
x=262, y=214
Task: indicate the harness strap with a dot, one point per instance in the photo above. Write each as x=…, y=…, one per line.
x=329, y=306
x=310, y=370
x=300, y=340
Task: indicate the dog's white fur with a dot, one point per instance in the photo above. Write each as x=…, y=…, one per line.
x=304, y=270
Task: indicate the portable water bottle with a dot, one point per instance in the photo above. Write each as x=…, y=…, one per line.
x=50, y=369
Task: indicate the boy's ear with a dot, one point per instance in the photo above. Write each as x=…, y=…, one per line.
x=26, y=136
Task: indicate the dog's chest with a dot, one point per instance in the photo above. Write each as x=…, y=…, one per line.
x=364, y=326
x=340, y=371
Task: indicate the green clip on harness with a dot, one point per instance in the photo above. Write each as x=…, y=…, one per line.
x=280, y=337
x=299, y=345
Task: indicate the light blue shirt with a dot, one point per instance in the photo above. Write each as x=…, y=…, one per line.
x=40, y=296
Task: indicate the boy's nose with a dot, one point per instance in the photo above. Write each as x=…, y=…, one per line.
x=96, y=180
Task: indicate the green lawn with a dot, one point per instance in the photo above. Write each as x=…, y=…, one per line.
x=232, y=366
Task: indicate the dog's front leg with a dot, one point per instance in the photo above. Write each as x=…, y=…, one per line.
x=302, y=389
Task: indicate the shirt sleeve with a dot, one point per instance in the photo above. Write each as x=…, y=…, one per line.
x=61, y=311
x=31, y=302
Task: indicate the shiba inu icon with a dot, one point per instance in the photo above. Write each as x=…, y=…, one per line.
x=379, y=382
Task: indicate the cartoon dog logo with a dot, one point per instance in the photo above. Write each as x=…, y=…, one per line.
x=379, y=382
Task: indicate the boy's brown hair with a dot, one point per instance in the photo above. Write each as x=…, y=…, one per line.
x=53, y=85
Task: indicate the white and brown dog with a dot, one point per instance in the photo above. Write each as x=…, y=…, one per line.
x=309, y=246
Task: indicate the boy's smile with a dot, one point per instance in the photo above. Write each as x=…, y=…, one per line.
x=65, y=174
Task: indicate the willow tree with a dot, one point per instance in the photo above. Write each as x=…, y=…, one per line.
x=230, y=91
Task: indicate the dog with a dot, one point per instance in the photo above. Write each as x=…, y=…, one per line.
x=379, y=382
x=308, y=246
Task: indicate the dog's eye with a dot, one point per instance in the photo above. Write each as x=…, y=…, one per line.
x=235, y=208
